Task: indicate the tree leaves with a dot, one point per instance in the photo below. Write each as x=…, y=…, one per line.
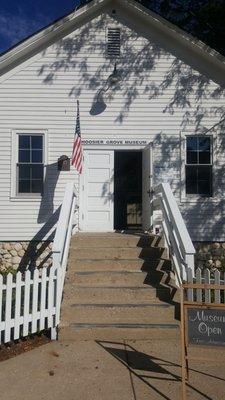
x=203, y=19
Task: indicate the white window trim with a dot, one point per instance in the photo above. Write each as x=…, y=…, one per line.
x=14, y=196
x=186, y=198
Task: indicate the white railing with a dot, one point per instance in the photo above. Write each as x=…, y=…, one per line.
x=176, y=236
x=30, y=302
x=62, y=243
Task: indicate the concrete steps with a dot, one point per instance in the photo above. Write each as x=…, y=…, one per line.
x=117, y=253
x=114, y=240
x=118, y=287
x=123, y=331
x=118, y=313
x=76, y=265
x=114, y=278
x=114, y=294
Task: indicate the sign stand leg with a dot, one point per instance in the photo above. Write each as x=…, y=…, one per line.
x=184, y=357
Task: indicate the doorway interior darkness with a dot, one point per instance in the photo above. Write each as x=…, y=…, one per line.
x=127, y=190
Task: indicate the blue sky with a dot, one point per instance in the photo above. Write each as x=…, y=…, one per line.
x=21, y=18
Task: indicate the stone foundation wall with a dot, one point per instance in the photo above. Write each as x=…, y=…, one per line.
x=24, y=255
x=210, y=255
x=28, y=255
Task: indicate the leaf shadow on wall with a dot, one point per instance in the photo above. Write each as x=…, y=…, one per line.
x=183, y=89
x=186, y=96
x=47, y=200
x=47, y=216
x=39, y=244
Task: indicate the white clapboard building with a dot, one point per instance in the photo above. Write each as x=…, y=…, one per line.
x=151, y=110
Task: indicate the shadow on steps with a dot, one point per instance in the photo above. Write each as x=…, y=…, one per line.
x=159, y=277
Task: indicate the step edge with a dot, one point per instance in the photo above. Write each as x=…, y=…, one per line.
x=121, y=305
x=122, y=325
x=113, y=272
x=117, y=287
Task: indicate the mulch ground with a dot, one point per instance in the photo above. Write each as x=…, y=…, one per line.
x=10, y=350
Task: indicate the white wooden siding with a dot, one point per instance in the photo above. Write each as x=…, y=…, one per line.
x=42, y=92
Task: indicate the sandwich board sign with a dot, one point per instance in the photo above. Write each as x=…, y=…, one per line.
x=205, y=325
x=202, y=324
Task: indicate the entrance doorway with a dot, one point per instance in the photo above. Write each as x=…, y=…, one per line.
x=127, y=190
x=114, y=189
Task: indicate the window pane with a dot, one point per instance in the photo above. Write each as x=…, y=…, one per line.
x=204, y=173
x=204, y=158
x=191, y=180
x=192, y=157
x=37, y=142
x=37, y=156
x=37, y=172
x=204, y=187
x=205, y=180
x=24, y=141
x=24, y=156
x=24, y=172
x=36, y=186
x=204, y=144
x=192, y=143
x=24, y=186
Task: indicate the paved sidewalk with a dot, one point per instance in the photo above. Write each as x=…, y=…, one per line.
x=134, y=370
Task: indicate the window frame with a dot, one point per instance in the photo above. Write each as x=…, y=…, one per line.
x=194, y=198
x=198, y=164
x=15, y=195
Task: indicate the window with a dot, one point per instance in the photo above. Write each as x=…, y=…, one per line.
x=199, y=165
x=113, y=43
x=30, y=166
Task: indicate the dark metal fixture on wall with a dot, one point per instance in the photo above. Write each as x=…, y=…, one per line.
x=111, y=82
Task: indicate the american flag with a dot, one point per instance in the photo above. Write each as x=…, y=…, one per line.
x=77, y=146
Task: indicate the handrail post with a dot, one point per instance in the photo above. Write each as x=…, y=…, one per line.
x=174, y=230
x=190, y=262
x=61, y=247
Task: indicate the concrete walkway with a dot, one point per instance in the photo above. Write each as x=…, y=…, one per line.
x=133, y=370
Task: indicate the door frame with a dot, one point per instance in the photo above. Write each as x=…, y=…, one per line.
x=110, y=148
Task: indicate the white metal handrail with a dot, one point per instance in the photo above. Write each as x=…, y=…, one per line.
x=61, y=243
x=175, y=232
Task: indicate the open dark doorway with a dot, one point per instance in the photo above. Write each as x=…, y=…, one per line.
x=128, y=190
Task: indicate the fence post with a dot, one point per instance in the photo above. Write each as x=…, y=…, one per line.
x=190, y=262
x=190, y=292
x=199, y=280
x=57, y=269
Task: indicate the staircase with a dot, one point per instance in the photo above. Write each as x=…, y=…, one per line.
x=118, y=286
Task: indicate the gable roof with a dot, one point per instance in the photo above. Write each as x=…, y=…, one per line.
x=213, y=62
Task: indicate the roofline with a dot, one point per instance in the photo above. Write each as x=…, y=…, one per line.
x=33, y=43
x=214, y=59
x=21, y=50
x=187, y=36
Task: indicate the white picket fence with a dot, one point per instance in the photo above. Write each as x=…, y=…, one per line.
x=27, y=303
x=30, y=302
x=206, y=295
